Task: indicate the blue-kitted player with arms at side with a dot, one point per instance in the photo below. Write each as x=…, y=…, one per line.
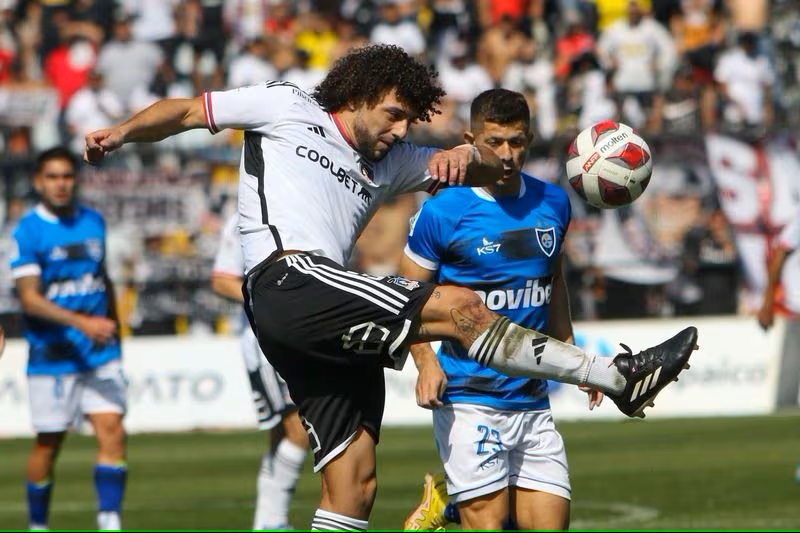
x=502, y=454
x=74, y=364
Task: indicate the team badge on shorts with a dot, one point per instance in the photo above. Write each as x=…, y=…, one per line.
x=547, y=240
x=407, y=284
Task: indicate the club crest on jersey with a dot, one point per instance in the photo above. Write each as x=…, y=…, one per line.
x=94, y=248
x=547, y=240
x=367, y=171
x=408, y=284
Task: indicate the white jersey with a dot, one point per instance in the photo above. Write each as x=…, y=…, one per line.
x=302, y=185
x=229, y=260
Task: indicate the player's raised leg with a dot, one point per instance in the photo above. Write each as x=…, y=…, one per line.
x=631, y=380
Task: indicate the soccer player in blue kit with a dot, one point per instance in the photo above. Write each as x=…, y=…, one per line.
x=74, y=362
x=501, y=452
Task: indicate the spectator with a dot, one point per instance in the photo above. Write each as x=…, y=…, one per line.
x=745, y=81
x=709, y=270
x=463, y=79
x=126, y=63
x=252, y=66
x=499, y=45
x=679, y=113
x=318, y=40
x=532, y=75
x=92, y=107
x=574, y=41
x=641, y=55
x=393, y=28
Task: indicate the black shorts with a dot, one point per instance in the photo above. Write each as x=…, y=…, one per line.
x=329, y=332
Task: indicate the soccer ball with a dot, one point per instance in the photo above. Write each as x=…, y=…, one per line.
x=609, y=165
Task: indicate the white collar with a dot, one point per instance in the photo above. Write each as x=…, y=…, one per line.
x=481, y=192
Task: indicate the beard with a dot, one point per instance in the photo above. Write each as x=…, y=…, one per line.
x=366, y=144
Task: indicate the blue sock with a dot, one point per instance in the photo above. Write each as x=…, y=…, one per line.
x=109, y=481
x=39, y=501
x=451, y=513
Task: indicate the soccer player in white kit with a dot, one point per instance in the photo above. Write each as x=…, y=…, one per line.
x=314, y=169
x=282, y=463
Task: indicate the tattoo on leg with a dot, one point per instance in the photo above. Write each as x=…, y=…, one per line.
x=466, y=326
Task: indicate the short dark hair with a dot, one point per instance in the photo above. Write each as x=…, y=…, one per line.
x=500, y=106
x=365, y=75
x=56, y=152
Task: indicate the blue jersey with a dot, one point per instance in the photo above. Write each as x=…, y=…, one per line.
x=504, y=249
x=69, y=256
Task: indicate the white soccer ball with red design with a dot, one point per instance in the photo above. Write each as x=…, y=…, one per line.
x=609, y=165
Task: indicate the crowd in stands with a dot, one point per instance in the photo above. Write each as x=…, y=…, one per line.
x=675, y=69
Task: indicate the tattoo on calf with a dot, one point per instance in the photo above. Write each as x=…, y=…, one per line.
x=465, y=325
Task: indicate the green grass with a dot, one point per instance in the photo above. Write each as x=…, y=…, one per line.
x=720, y=473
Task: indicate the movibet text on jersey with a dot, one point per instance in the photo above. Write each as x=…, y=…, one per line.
x=536, y=293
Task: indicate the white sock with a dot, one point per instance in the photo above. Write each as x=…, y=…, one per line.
x=330, y=521
x=275, y=494
x=108, y=521
x=519, y=351
x=264, y=487
x=38, y=527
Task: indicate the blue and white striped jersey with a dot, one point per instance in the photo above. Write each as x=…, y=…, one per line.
x=69, y=256
x=504, y=249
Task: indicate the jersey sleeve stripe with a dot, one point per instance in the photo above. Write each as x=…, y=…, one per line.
x=427, y=264
x=22, y=271
x=208, y=109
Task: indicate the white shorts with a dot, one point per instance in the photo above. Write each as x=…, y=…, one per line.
x=269, y=391
x=58, y=401
x=485, y=450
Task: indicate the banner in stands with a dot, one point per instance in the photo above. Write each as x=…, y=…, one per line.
x=27, y=106
x=758, y=191
x=184, y=383
x=153, y=202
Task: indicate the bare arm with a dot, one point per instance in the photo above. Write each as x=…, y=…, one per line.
x=560, y=317
x=431, y=379
x=98, y=328
x=466, y=164
x=227, y=286
x=560, y=320
x=162, y=119
x=112, y=300
x=766, y=314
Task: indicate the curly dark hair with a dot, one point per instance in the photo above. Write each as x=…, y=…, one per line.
x=366, y=75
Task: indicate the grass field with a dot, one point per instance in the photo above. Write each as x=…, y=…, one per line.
x=726, y=473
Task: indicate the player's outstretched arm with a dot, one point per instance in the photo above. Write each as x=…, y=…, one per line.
x=466, y=164
x=161, y=120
